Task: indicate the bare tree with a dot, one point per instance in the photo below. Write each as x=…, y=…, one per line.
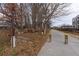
x=34, y=16
x=42, y=13
x=11, y=11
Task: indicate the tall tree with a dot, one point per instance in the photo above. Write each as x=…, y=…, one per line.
x=33, y=15
x=11, y=12
x=43, y=12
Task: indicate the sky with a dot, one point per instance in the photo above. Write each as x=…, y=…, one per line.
x=74, y=9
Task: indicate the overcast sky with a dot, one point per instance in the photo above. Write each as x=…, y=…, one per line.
x=74, y=9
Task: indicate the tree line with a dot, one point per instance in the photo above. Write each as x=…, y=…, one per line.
x=35, y=17
x=32, y=16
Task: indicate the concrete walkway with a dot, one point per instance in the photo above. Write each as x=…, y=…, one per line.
x=57, y=47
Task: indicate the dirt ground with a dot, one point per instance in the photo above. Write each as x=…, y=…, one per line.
x=27, y=44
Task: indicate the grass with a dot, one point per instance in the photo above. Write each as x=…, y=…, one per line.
x=1, y=51
x=4, y=41
x=75, y=33
x=23, y=46
x=14, y=53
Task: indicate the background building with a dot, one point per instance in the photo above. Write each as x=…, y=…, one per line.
x=75, y=22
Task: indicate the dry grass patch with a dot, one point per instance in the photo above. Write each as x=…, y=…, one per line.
x=28, y=44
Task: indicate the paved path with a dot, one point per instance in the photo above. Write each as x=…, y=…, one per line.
x=57, y=47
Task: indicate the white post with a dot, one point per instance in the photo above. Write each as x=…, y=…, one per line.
x=13, y=41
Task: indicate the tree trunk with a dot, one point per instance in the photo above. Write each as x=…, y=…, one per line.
x=13, y=41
